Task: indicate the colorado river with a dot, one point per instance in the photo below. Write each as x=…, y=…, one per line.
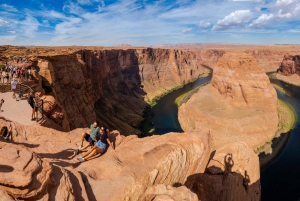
x=166, y=111
x=281, y=179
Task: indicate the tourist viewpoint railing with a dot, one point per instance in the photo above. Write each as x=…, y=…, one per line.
x=23, y=91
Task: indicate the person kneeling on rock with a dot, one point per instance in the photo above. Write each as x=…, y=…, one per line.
x=90, y=136
x=4, y=132
x=99, y=147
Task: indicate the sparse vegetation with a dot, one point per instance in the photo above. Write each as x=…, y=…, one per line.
x=145, y=126
x=286, y=118
x=282, y=90
x=2, y=67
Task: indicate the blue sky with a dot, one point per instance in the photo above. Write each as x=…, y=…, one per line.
x=144, y=22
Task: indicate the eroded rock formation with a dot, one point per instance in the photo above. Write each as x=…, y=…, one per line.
x=239, y=104
x=39, y=165
x=290, y=65
x=112, y=85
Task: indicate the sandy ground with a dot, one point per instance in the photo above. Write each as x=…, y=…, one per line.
x=19, y=111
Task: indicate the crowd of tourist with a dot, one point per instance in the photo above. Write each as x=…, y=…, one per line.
x=10, y=72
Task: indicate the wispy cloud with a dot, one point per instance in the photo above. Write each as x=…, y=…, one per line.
x=203, y=24
x=3, y=23
x=186, y=30
x=8, y=8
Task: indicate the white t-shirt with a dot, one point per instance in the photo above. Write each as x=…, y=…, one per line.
x=14, y=84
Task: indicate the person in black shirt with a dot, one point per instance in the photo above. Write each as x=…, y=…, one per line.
x=30, y=101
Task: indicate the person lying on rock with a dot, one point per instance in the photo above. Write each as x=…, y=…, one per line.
x=89, y=136
x=99, y=147
x=4, y=133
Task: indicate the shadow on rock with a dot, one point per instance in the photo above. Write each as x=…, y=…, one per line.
x=6, y=168
x=223, y=184
x=65, y=154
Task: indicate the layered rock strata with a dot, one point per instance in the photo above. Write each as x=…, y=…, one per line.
x=113, y=85
x=239, y=104
x=290, y=65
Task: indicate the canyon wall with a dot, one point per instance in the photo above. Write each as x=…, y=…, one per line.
x=113, y=85
x=239, y=104
x=290, y=65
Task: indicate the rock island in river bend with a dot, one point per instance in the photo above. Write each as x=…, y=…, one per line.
x=240, y=104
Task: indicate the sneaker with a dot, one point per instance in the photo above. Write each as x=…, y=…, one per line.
x=76, y=151
x=80, y=146
x=6, y=138
x=80, y=159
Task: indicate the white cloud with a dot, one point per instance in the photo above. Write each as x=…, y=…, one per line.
x=9, y=8
x=236, y=18
x=203, y=24
x=3, y=23
x=12, y=32
x=262, y=21
x=186, y=30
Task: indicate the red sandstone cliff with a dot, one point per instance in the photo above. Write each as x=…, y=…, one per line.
x=290, y=65
x=113, y=85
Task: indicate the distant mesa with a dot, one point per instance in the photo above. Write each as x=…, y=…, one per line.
x=124, y=45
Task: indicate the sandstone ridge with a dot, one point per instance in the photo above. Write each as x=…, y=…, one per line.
x=239, y=104
x=39, y=165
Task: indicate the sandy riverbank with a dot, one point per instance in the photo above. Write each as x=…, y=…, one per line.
x=293, y=79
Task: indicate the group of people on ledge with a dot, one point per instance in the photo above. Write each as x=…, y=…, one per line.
x=11, y=72
x=97, y=138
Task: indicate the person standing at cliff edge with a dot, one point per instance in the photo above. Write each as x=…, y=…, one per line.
x=14, y=88
x=90, y=136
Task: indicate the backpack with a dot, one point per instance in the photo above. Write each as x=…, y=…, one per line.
x=3, y=131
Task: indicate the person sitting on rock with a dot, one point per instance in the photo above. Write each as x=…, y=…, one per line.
x=4, y=133
x=99, y=147
x=89, y=136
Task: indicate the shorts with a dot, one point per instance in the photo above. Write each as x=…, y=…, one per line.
x=88, y=138
x=101, y=145
x=14, y=90
x=31, y=105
